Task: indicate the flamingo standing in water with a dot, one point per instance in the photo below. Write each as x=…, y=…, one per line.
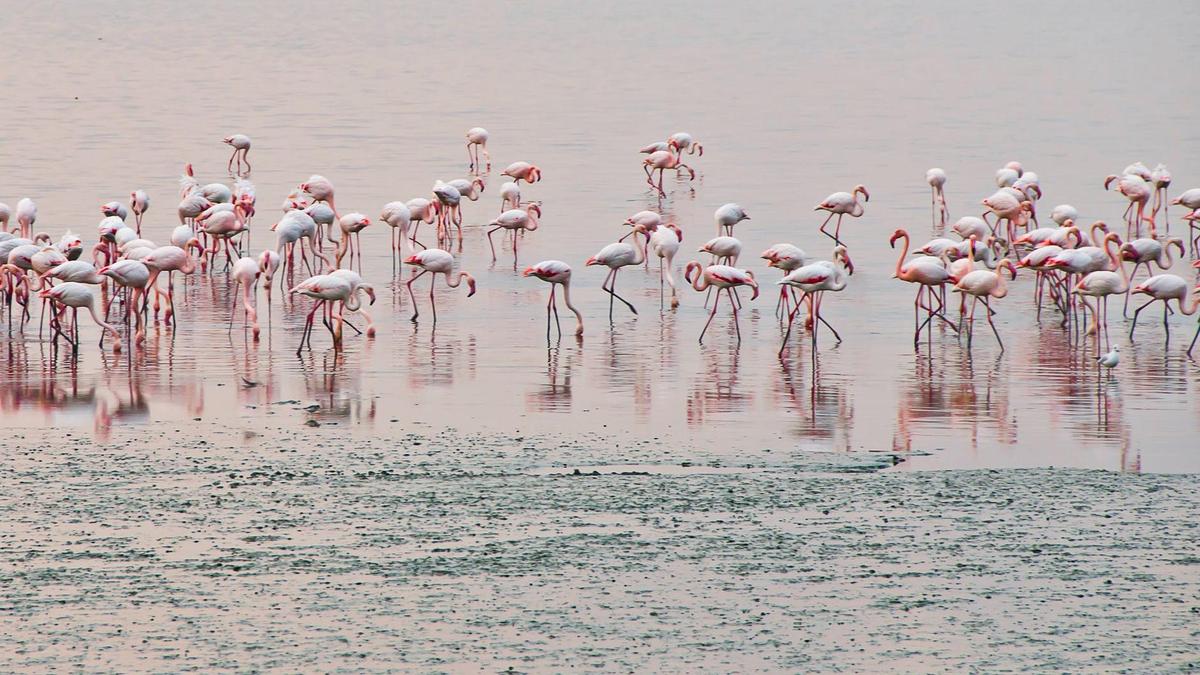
x=787, y=258
x=728, y=215
x=841, y=204
x=320, y=189
x=422, y=210
x=522, y=171
x=1099, y=285
x=75, y=296
x=139, y=203
x=169, y=259
x=1145, y=251
x=928, y=274
x=937, y=186
x=1137, y=191
x=436, y=261
x=241, y=151
x=984, y=285
x=1165, y=288
x=556, y=273
x=477, y=138
x=614, y=257
x=515, y=220
x=352, y=224
x=660, y=161
x=510, y=196
x=359, y=285
x=723, y=278
x=398, y=217
x=683, y=142
x=664, y=244
x=246, y=272
x=814, y=280
x=326, y=289
x=133, y=276
x=1160, y=180
x=449, y=200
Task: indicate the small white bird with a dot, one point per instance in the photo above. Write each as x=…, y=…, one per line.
x=1111, y=359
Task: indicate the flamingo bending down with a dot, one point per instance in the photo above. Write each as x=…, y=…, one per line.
x=139, y=203
x=522, y=171
x=1137, y=191
x=514, y=220
x=133, y=276
x=359, y=284
x=436, y=261
x=241, y=151
x=246, y=272
x=1145, y=251
x=937, y=185
x=614, y=257
x=510, y=196
x=787, y=258
x=1160, y=180
x=728, y=215
x=1165, y=288
x=660, y=161
x=477, y=138
x=326, y=289
x=664, y=244
x=1099, y=285
x=169, y=259
x=76, y=295
x=841, y=204
x=683, y=142
x=320, y=189
x=449, y=199
x=985, y=285
x=556, y=273
x=352, y=224
x=928, y=274
x=26, y=216
x=723, y=278
x=814, y=280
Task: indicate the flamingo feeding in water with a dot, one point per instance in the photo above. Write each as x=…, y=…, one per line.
x=241, y=151
x=814, y=280
x=985, y=285
x=723, y=278
x=556, y=273
x=937, y=186
x=477, y=138
x=660, y=161
x=436, y=261
x=614, y=257
x=928, y=274
x=75, y=296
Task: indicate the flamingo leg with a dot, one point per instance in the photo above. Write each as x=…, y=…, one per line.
x=612, y=292
x=554, y=306
x=988, y=305
x=1136, y=312
x=716, y=301
x=409, y=284
x=822, y=228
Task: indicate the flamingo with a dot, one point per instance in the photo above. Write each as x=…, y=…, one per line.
x=1160, y=180
x=469, y=188
x=728, y=215
x=115, y=208
x=26, y=216
x=1099, y=285
x=169, y=259
x=326, y=289
x=660, y=161
x=683, y=141
x=1165, y=288
x=477, y=138
x=522, y=171
x=352, y=224
x=510, y=196
x=724, y=250
x=449, y=198
x=723, y=278
x=514, y=220
x=1008, y=174
x=268, y=263
x=436, y=261
x=1145, y=251
x=614, y=257
x=1063, y=212
x=841, y=204
x=928, y=274
x=937, y=184
x=139, y=203
x=320, y=189
x=664, y=244
x=245, y=273
x=1190, y=199
x=75, y=296
x=971, y=225
x=657, y=146
x=134, y=276
x=324, y=217
x=787, y=258
x=984, y=285
x=398, y=217
x=1137, y=191
x=359, y=285
x=1011, y=205
x=814, y=280
x=241, y=151
x=421, y=210
x=556, y=273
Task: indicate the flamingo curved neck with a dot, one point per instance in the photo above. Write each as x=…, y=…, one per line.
x=903, y=255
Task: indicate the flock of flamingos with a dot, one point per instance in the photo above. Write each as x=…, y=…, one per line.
x=1076, y=267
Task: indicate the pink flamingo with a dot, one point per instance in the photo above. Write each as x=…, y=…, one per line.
x=75, y=296
x=928, y=274
x=515, y=220
x=246, y=272
x=662, y=160
x=937, y=185
x=436, y=261
x=522, y=171
x=723, y=278
x=26, y=216
x=787, y=258
x=1138, y=192
x=326, y=289
x=351, y=224
x=320, y=189
x=241, y=151
x=842, y=204
x=683, y=142
x=556, y=273
x=985, y=285
x=814, y=280
x=728, y=215
x=1099, y=285
x=139, y=203
x=398, y=218
x=477, y=138
x=614, y=257
x=1164, y=288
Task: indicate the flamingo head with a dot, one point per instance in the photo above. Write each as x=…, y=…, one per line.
x=899, y=233
x=1128, y=253
x=592, y=261
x=529, y=272
x=675, y=228
x=413, y=260
x=369, y=290
x=470, y=286
x=228, y=140
x=1108, y=181
x=841, y=254
x=534, y=208
x=753, y=284
x=691, y=270
x=1008, y=264
x=863, y=189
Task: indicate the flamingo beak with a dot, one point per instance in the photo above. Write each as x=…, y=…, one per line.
x=528, y=271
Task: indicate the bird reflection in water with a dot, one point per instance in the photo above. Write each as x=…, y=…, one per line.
x=339, y=392
x=821, y=405
x=555, y=395
x=953, y=395
x=716, y=390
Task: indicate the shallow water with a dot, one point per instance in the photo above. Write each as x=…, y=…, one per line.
x=792, y=102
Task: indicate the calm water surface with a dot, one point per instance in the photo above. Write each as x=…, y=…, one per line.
x=792, y=101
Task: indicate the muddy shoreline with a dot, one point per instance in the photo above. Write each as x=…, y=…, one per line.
x=452, y=551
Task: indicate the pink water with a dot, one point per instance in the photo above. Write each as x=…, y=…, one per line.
x=791, y=101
